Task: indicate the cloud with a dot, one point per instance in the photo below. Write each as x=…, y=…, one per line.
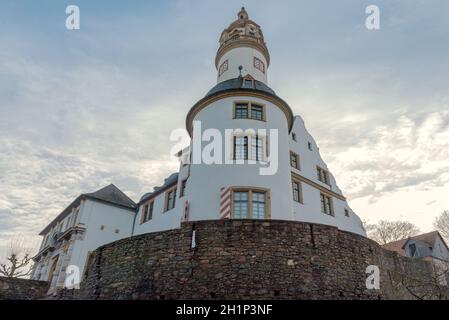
x=40, y=182
x=83, y=109
x=405, y=153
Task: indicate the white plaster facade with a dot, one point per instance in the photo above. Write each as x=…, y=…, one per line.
x=81, y=228
x=244, y=57
x=216, y=111
x=107, y=215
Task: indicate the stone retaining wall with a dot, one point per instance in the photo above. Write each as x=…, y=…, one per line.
x=247, y=259
x=22, y=289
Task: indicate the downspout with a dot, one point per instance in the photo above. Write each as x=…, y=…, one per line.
x=134, y=219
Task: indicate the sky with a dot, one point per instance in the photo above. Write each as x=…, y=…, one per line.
x=80, y=109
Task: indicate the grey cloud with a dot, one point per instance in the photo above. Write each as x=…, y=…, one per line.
x=81, y=110
x=405, y=153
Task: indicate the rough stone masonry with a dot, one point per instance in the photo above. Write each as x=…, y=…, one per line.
x=22, y=289
x=249, y=259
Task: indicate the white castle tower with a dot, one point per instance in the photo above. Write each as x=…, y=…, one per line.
x=269, y=169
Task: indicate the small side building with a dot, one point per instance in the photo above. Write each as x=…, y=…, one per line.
x=428, y=246
x=90, y=221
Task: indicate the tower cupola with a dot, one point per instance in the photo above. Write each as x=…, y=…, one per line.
x=243, y=15
x=242, y=50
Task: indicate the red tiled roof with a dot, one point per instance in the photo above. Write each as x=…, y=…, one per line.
x=398, y=246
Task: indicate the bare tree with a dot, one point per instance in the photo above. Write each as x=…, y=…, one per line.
x=18, y=260
x=424, y=285
x=441, y=223
x=387, y=231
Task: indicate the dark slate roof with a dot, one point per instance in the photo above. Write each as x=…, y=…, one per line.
x=173, y=178
x=109, y=194
x=112, y=194
x=428, y=238
x=238, y=83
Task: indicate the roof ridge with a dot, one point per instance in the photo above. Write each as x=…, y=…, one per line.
x=111, y=189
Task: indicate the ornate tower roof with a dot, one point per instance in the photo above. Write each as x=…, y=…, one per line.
x=243, y=32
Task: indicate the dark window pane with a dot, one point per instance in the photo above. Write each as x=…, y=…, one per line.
x=256, y=112
x=248, y=84
x=240, y=205
x=258, y=202
x=241, y=148
x=323, y=205
x=241, y=111
x=296, y=191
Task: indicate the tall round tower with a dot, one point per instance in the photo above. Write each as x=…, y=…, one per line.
x=251, y=173
x=242, y=45
x=250, y=157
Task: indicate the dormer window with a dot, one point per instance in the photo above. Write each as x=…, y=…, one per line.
x=412, y=249
x=248, y=83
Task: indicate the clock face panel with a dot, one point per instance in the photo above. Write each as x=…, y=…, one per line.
x=258, y=64
x=223, y=68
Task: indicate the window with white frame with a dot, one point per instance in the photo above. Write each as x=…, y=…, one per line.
x=249, y=110
x=170, y=198
x=249, y=204
x=240, y=147
x=294, y=160
x=257, y=148
x=241, y=111
x=147, y=213
x=326, y=204
x=297, y=191
x=258, y=205
x=240, y=204
x=323, y=175
x=249, y=147
x=256, y=112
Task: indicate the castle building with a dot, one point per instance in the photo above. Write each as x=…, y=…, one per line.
x=244, y=110
x=266, y=166
x=91, y=220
